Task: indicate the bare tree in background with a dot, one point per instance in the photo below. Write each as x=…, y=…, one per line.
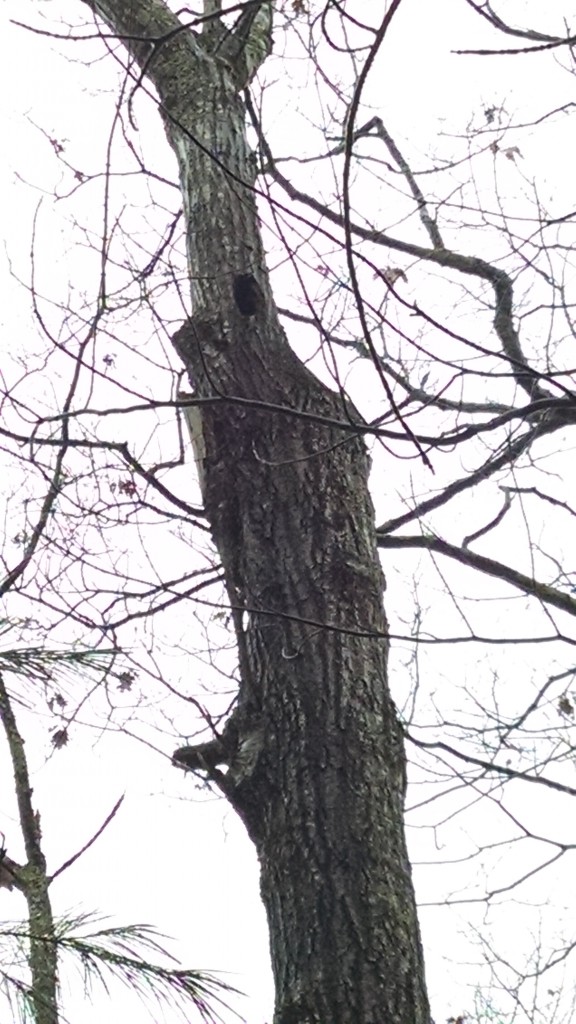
x=312, y=755
x=35, y=953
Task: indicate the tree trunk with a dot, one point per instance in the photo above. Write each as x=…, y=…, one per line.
x=315, y=752
x=32, y=880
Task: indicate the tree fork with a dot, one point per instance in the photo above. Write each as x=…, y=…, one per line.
x=317, y=768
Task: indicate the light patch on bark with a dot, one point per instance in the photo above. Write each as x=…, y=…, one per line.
x=193, y=417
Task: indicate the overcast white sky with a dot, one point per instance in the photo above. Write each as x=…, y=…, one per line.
x=176, y=856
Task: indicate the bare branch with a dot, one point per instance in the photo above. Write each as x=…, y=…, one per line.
x=489, y=566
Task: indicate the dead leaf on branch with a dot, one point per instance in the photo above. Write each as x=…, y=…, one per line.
x=59, y=738
x=566, y=707
x=391, y=275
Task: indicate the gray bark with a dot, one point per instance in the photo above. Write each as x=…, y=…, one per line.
x=32, y=879
x=316, y=765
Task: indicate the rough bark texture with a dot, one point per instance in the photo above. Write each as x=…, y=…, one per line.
x=315, y=753
x=32, y=880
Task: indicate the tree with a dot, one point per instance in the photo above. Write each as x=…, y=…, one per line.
x=312, y=756
x=314, y=748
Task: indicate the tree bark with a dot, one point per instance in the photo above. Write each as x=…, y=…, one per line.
x=316, y=766
x=32, y=880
